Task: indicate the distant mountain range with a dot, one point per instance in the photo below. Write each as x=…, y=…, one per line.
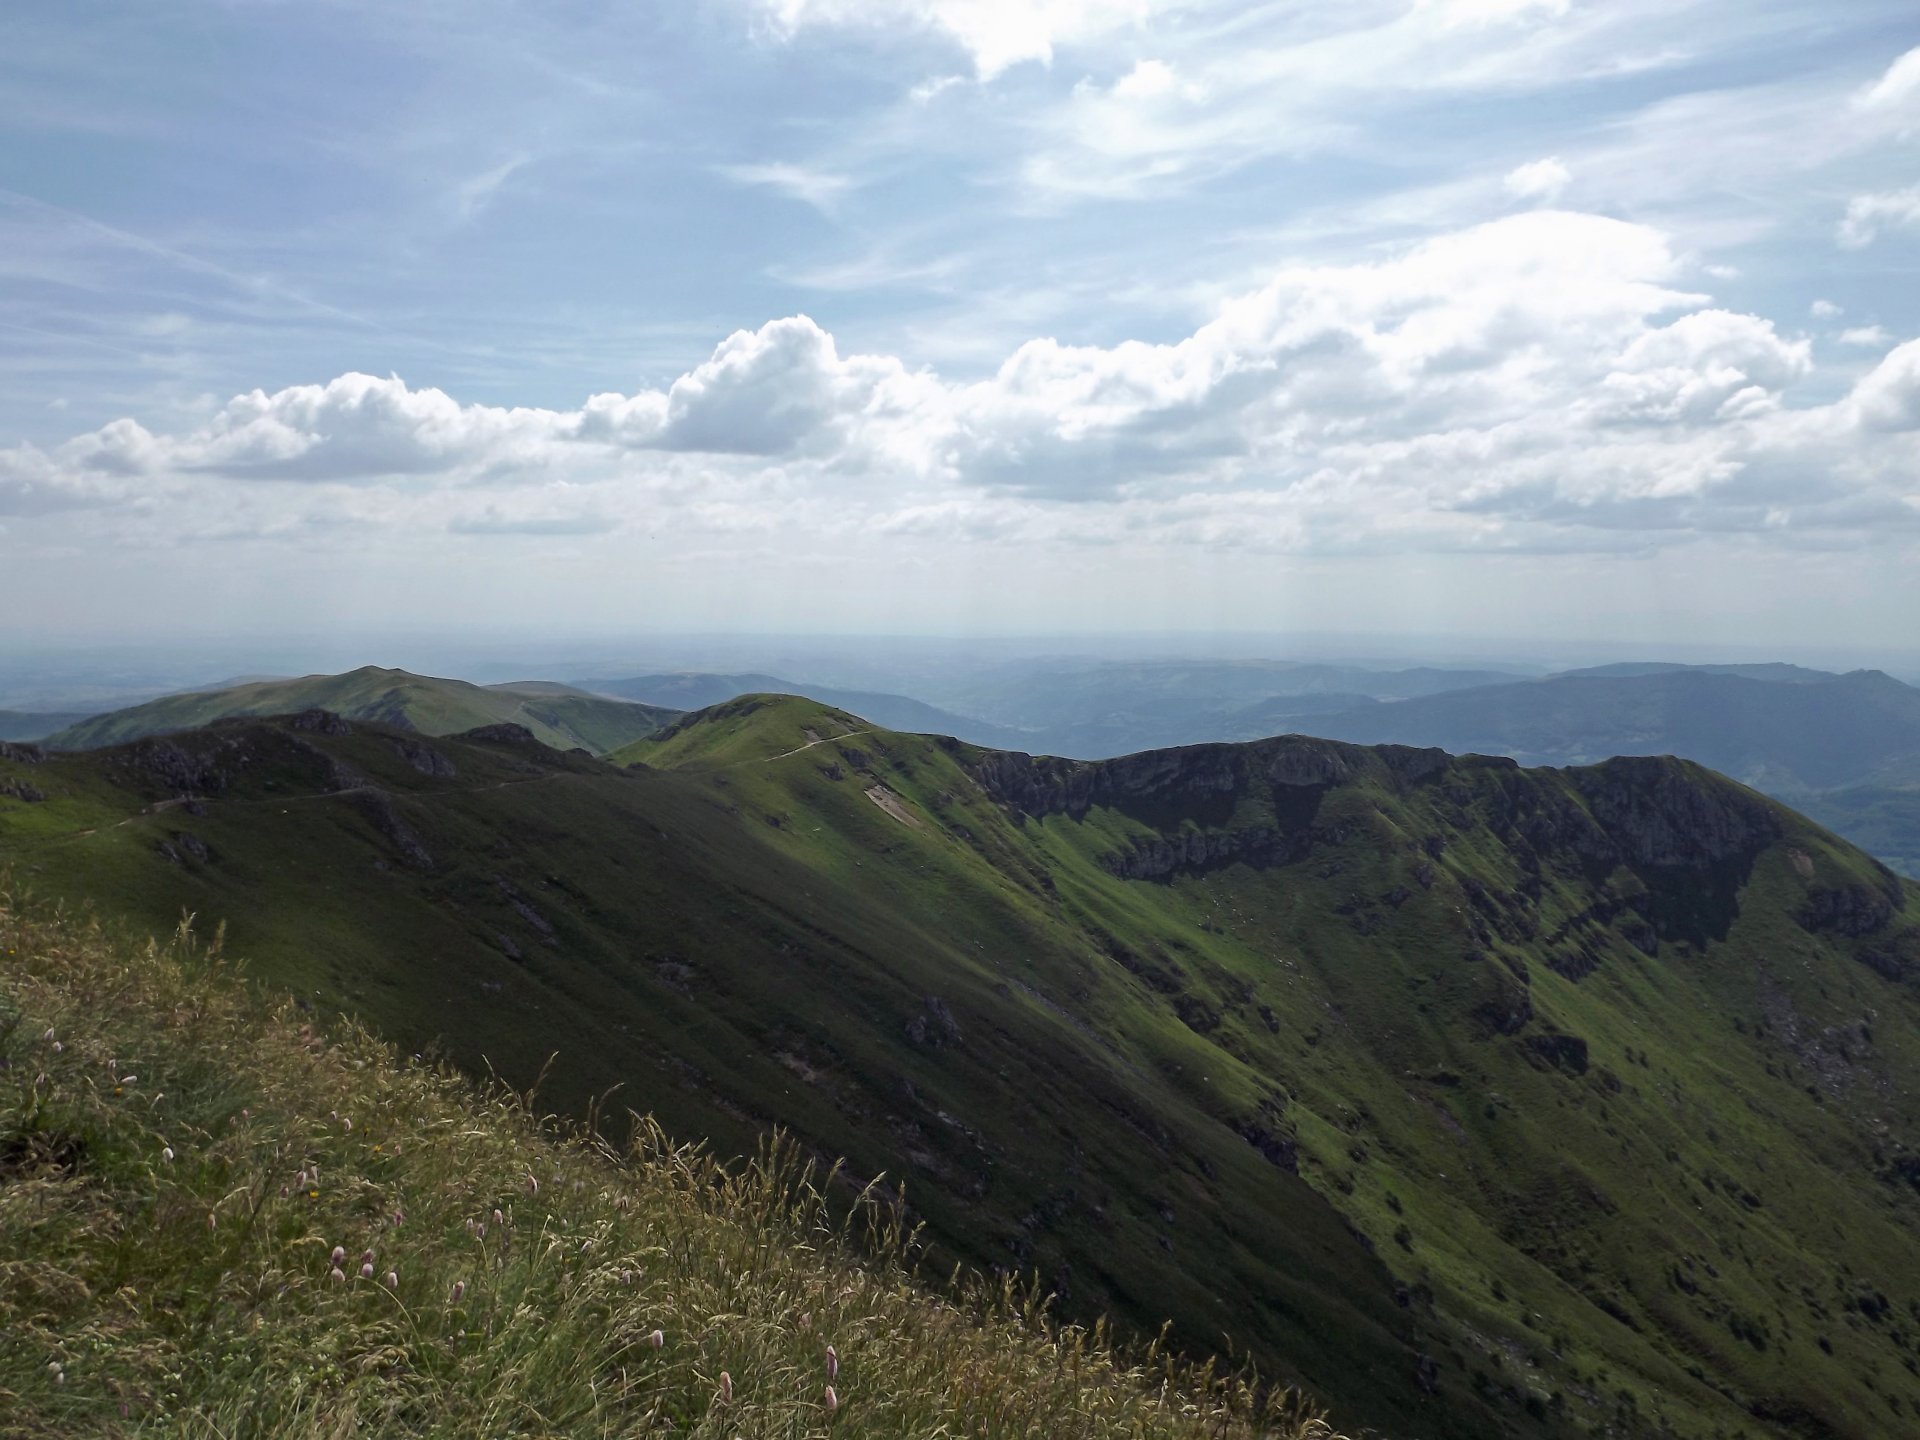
x=1483, y=1101
x=556, y=715
x=1844, y=748
x=1788, y=737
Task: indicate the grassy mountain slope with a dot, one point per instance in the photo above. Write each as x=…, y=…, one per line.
x=177, y=1165
x=513, y=905
x=557, y=715
x=32, y=725
x=1484, y=1100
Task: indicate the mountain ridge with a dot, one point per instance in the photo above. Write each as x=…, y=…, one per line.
x=1415, y=1074
x=557, y=715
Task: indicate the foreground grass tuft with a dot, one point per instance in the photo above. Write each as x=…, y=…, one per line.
x=215, y=1221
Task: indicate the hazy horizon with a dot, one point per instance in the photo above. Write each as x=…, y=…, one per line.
x=915, y=665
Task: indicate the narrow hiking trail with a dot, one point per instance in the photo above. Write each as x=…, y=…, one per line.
x=818, y=740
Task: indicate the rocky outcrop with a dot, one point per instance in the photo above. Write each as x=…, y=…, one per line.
x=934, y=1026
x=503, y=733
x=1647, y=814
x=424, y=758
x=1191, y=778
x=21, y=790
x=378, y=807
x=1190, y=795
x=1661, y=812
x=1268, y=1133
x=1850, y=910
x=1563, y=1052
x=320, y=722
x=22, y=754
x=175, y=768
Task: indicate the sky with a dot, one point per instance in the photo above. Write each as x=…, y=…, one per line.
x=1539, y=318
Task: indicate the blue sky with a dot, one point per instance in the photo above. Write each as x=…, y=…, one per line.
x=1529, y=317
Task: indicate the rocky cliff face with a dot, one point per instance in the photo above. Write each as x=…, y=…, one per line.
x=1191, y=779
x=1647, y=814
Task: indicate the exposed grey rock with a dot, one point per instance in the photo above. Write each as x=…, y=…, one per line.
x=424, y=758
x=1657, y=811
x=1278, y=1150
x=379, y=809
x=503, y=733
x=22, y=754
x=1851, y=910
x=173, y=767
x=934, y=1025
x=525, y=910
x=1565, y=1052
x=321, y=722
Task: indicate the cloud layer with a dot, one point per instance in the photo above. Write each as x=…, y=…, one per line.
x=1548, y=381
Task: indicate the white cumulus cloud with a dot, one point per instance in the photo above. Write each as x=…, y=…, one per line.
x=1543, y=381
x=1868, y=215
x=1539, y=179
x=1896, y=94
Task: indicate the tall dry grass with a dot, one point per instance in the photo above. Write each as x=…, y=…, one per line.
x=215, y=1221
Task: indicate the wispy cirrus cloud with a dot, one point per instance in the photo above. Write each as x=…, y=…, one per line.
x=821, y=189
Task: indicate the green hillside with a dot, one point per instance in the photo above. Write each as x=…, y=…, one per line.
x=1480, y=1100
x=213, y=1222
x=558, y=715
